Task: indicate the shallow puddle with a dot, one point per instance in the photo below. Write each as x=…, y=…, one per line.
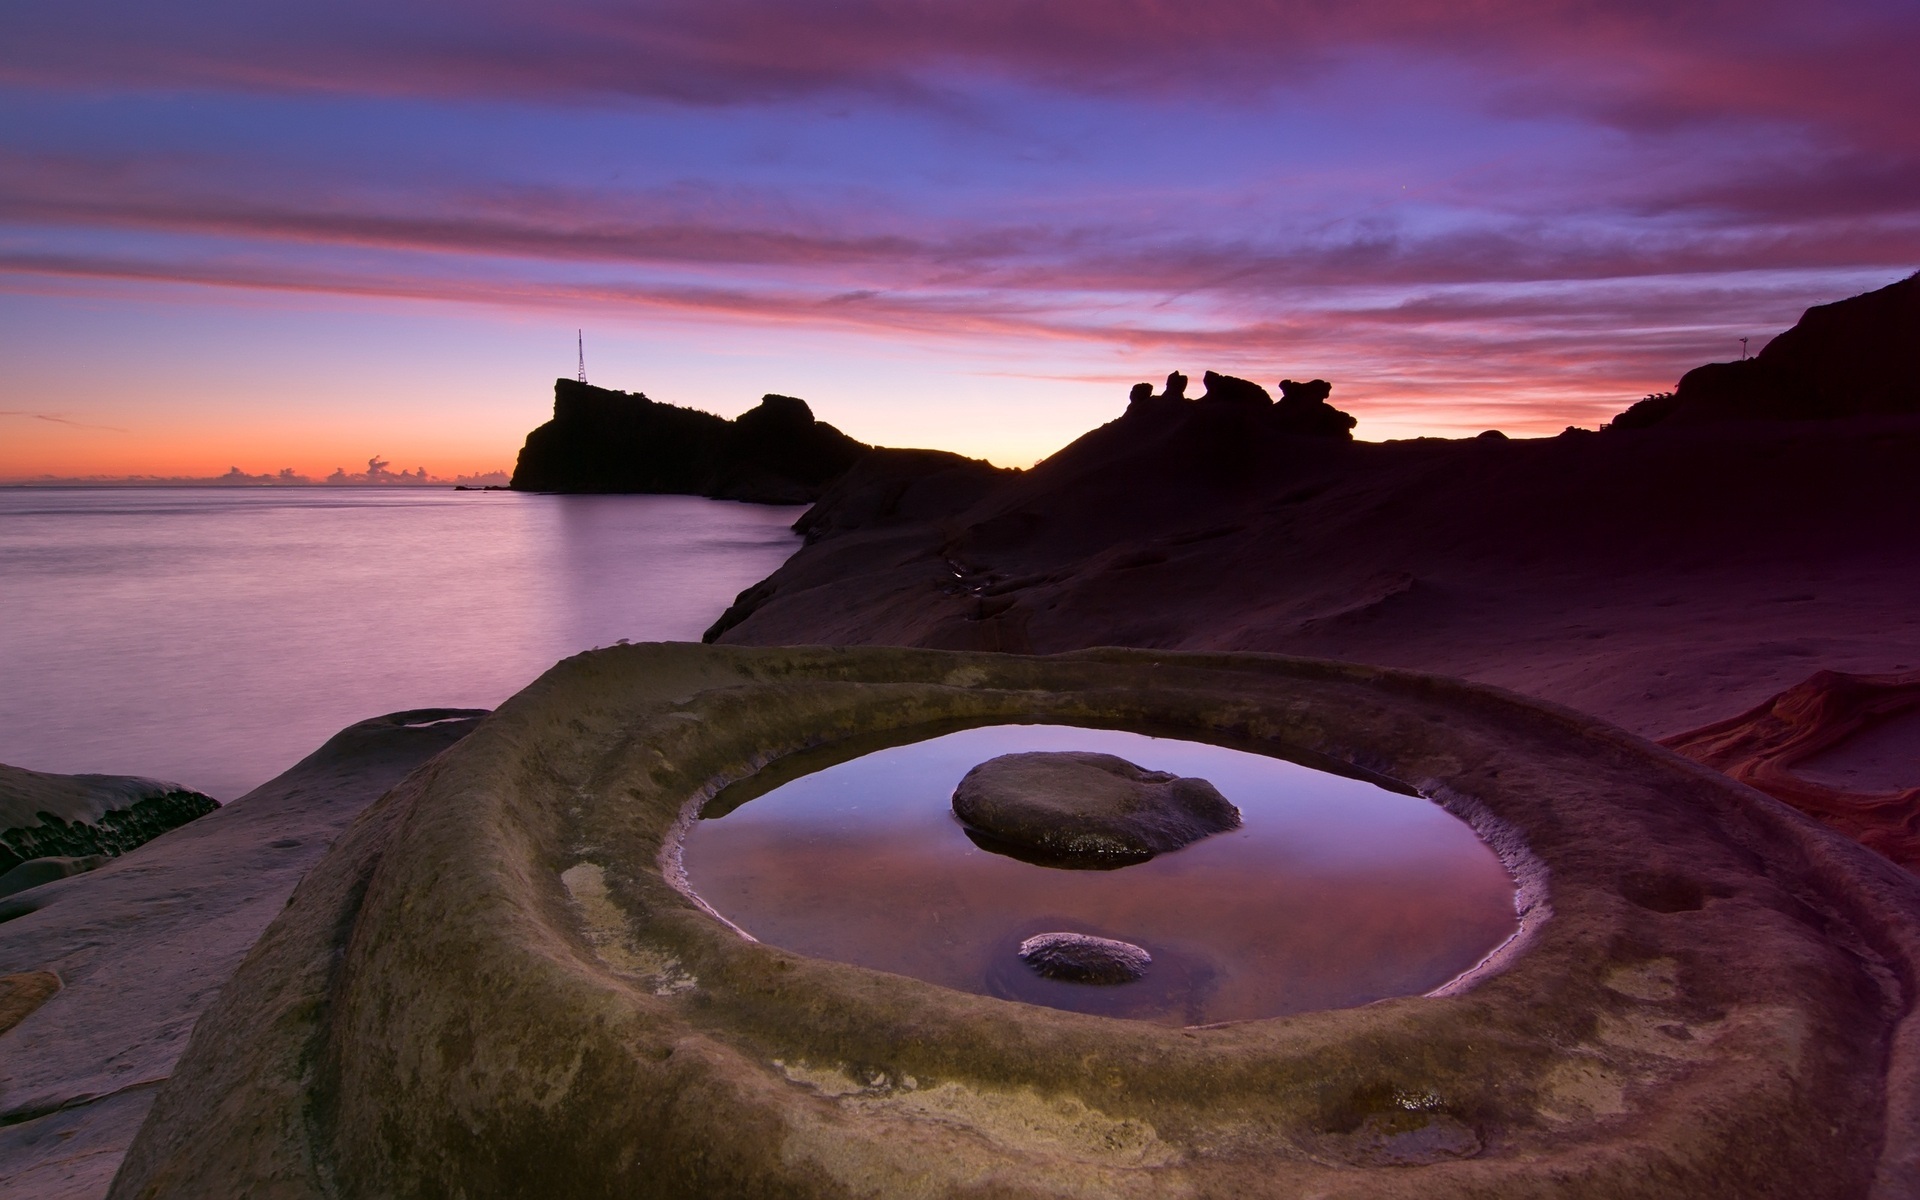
x=1333, y=892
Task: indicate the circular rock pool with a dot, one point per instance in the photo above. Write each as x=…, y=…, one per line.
x=1332, y=892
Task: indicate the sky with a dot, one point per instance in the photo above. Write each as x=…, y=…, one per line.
x=302, y=235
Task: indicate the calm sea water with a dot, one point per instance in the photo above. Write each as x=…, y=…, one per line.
x=215, y=636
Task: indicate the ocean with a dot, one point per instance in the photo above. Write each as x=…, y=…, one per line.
x=214, y=636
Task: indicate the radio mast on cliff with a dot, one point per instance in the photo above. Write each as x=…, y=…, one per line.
x=581, y=337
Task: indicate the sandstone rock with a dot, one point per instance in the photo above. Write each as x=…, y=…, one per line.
x=493, y=986
x=1083, y=958
x=1086, y=809
x=36, y=871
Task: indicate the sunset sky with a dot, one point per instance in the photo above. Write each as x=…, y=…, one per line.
x=267, y=236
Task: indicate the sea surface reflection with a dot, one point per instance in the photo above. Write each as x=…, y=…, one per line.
x=1334, y=892
x=213, y=636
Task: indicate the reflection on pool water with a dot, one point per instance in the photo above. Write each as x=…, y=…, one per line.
x=1333, y=892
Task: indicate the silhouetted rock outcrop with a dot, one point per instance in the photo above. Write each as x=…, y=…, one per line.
x=1303, y=407
x=608, y=441
x=1852, y=358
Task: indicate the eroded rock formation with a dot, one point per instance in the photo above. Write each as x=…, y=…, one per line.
x=1770, y=746
x=1303, y=408
x=494, y=986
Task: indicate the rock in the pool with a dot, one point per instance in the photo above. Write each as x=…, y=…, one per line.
x=1076, y=808
x=1083, y=958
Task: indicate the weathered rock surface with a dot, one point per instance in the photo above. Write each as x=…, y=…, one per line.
x=36, y=871
x=1855, y=357
x=1079, y=808
x=608, y=441
x=84, y=816
x=1771, y=745
x=493, y=986
x=144, y=943
x=1083, y=958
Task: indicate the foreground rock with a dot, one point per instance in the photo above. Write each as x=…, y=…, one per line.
x=1781, y=745
x=114, y=967
x=607, y=441
x=1083, y=958
x=494, y=986
x=84, y=817
x=1075, y=808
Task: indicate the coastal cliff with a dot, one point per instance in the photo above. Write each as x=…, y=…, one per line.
x=607, y=441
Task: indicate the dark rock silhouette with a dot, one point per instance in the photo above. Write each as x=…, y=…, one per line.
x=1081, y=809
x=1853, y=358
x=607, y=441
x=1303, y=407
x=1226, y=389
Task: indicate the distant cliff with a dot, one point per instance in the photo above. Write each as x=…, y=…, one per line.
x=1856, y=357
x=607, y=441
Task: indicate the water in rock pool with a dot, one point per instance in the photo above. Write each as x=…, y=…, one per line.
x=1332, y=892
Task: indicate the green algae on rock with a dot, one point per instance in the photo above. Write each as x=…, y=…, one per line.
x=497, y=985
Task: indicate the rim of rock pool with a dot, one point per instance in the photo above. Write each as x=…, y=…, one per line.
x=949, y=840
x=489, y=985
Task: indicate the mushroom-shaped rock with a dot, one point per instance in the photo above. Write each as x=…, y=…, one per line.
x=1083, y=958
x=1080, y=809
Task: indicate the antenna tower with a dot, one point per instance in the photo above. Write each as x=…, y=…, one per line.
x=581, y=338
x=1743, y=349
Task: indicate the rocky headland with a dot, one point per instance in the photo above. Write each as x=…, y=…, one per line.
x=607, y=441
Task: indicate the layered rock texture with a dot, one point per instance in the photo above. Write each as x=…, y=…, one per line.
x=608, y=441
x=1844, y=749
x=496, y=984
x=1856, y=357
x=83, y=819
x=1076, y=808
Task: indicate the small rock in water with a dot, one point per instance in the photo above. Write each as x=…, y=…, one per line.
x=1082, y=958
